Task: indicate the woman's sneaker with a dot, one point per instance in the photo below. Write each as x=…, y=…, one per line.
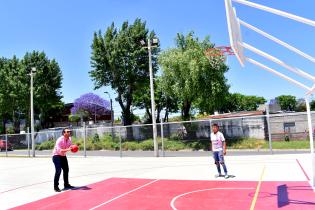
x=226, y=176
x=57, y=189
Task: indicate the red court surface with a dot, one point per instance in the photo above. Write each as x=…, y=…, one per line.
x=140, y=194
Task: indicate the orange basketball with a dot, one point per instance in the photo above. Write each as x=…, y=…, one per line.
x=74, y=148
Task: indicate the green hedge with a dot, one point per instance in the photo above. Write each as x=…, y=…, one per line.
x=46, y=145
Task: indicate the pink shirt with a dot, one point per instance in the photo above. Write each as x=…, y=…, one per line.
x=61, y=143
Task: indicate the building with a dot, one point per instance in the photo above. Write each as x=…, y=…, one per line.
x=63, y=119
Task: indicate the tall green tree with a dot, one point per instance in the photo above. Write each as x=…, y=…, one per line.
x=301, y=105
x=193, y=78
x=15, y=88
x=142, y=100
x=47, y=84
x=240, y=102
x=287, y=102
x=118, y=60
x=2, y=95
x=12, y=87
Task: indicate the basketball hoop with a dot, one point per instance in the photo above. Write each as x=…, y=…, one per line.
x=218, y=55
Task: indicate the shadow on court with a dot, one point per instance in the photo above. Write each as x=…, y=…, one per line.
x=283, y=195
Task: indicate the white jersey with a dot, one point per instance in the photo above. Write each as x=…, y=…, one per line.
x=217, y=140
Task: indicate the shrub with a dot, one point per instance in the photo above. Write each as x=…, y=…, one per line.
x=108, y=138
x=130, y=146
x=147, y=145
x=199, y=145
x=46, y=145
x=247, y=144
x=10, y=130
x=174, y=136
x=107, y=145
x=93, y=146
x=174, y=145
x=96, y=138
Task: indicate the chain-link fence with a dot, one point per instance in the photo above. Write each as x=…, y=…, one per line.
x=287, y=131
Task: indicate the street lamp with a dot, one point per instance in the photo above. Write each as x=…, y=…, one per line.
x=33, y=71
x=150, y=44
x=111, y=113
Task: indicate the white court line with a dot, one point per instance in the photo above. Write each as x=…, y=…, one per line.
x=227, y=188
x=126, y=193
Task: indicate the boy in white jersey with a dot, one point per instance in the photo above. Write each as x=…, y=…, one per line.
x=219, y=150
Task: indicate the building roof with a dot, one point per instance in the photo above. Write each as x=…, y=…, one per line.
x=236, y=114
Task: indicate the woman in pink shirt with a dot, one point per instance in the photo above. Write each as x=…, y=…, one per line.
x=62, y=146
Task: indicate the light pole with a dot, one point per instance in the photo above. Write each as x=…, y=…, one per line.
x=154, y=44
x=95, y=104
x=111, y=113
x=33, y=71
x=268, y=126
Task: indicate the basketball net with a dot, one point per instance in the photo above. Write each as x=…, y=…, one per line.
x=218, y=55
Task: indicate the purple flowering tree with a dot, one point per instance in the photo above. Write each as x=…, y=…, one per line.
x=90, y=104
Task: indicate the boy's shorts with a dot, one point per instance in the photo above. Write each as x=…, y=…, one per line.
x=218, y=156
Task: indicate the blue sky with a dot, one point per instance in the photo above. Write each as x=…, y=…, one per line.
x=64, y=30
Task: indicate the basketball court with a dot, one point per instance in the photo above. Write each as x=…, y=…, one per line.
x=135, y=194
x=255, y=182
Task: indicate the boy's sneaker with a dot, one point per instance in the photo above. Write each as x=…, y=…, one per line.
x=226, y=176
x=217, y=175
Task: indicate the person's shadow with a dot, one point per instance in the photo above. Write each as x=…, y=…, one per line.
x=78, y=188
x=229, y=176
x=283, y=197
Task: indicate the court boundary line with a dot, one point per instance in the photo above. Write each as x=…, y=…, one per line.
x=126, y=193
x=304, y=172
x=252, y=207
x=172, y=204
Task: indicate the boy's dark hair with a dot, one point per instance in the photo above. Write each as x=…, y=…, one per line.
x=64, y=130
x=215, y=125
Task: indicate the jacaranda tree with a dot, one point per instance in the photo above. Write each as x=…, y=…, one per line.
x=91, y=105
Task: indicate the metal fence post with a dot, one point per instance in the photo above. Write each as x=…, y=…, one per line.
x=162, y=137
x=210, y=143
x=210, y=123
x=120, y=146
x=84, y=139
x=268, y=127
x=6, y=145
x=28, y=142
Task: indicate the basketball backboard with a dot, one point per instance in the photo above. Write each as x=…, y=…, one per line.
x=234, y=32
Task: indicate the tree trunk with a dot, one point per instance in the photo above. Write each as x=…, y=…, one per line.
x=16, y=123
x=127, y=122
x=126, y=115
x=186, y=110
x=147, y=110
x=158, y=114
x=3, y=125
x=166, y=116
